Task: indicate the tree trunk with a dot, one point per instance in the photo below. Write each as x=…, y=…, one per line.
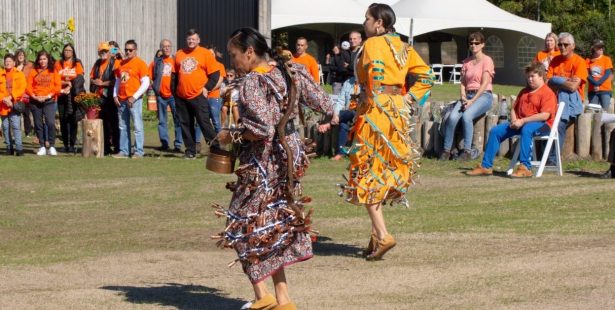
x=92, y=130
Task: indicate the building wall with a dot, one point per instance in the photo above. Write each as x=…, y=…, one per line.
x=147, y=22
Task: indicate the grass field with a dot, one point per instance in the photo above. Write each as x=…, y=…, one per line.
x=79, y=233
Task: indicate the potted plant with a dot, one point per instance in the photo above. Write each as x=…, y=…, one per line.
x=90, y=103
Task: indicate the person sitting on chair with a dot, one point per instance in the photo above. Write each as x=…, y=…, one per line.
x=532, y=115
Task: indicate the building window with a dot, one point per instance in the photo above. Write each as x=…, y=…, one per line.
x=448, y=52
x=526, y=51
x=495, y=49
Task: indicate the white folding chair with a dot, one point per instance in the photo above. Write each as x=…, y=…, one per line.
x=455, y=76
x=551, y=138
x=436, y=69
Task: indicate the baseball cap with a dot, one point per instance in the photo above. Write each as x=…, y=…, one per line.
x=597, y=43
x=345, y=45
x=103, y=46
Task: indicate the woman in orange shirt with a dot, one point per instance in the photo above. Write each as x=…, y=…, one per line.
x=70, y=70
x=15, y=86
x=600, y=75
x=44, y=85
x=545, y=56
x=22, y=64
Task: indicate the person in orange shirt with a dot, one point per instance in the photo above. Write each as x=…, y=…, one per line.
x=44, y=85
x=102, y=81
x=551, y=50
x=71, y=73
x=161, y=73
x=213, y=97
x=22, y=64
x=600, y=76
x=197, y=75
x=10, y=105
x=567, y=77
x=302, y=57
x=131, y=82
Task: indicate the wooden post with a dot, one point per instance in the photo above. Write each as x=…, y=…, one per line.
x=428, y=141
x=583, y=134
x=479, y=133
x=92, y=136
x=568, y=148
x=596, y=137
x=490, y=122
x=505, y=146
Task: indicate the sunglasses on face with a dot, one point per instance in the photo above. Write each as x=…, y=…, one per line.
x=565, y=45
x=129, y=50
x=474, y=43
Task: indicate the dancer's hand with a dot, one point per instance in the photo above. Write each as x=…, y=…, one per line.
x=224, y=137
x=322, y=128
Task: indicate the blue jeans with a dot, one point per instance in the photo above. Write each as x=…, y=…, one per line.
x=124, y=114
x=604, y=98
x=501, y=132
x=11, y=126
x=163, y=132
x=479, y=107
x=346, y=117
x=215, y=106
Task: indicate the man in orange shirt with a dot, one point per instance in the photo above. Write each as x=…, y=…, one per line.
x=302, y=57
x=213, y=97
x=161, y=73
x=102, y=81
x=600, y=76
x=131, y=82
x=567, y=76
x=197, y=75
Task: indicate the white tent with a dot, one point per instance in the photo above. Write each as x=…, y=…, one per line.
x=434, y=15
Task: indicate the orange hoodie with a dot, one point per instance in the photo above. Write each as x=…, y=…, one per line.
x=43, y=83
x=15, y=82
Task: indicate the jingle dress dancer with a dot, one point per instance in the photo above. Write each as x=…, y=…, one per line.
x=383, y=156
x=266, y=223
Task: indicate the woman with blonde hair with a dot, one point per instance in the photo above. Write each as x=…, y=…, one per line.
x=551, y=50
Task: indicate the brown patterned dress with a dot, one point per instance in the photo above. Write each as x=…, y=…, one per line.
x=261, y=227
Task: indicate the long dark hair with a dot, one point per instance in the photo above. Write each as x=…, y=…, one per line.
x=384, y=12
x=50, y=60
x=243, y=38
x=75, y=59
x=25, y=57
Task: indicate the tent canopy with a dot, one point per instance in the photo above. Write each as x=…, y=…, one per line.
x=425, y=16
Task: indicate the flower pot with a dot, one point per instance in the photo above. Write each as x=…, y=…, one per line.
x=92, y=113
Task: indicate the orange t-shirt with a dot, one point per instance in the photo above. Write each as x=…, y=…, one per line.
x=101, y=70
x=310, y=65
x=215, y=93
x=68, y=72
x=4, y=110
x=129, y=75
x=15, y=86
x=546, y=57
x=597, y=67
x=531, y=102
x=192, y=69
x=167, y=71
x=43, y=83
x=568, y=68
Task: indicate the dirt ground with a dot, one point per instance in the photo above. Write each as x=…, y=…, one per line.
x=472, y=271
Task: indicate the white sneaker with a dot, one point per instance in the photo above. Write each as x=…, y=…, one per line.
x=52, y=151
x=42, y=151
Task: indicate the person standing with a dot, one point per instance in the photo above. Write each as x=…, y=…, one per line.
x=600, y=76
x=302, y=57
x=549, y=52
x=102, y=82
x=196, y=77
x=477, y=74
x=382, y=159
x=131, y=82
x=22, y=64
x=70, y=70
x=44, y=85
x=567, y=76
x=12, y=88
x=162, y=75
x=269, y=174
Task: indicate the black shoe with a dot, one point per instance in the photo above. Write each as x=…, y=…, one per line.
x=465, y=156
x=445, y=155
x=189, y=156
x=177, y=150
x=19, y=153
x=66, y=149
x=10, y=151
x=609, y=174
x=72, y=150
x=163, y=148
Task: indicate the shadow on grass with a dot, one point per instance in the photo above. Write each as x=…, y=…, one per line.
x=180, y=296
x=586, y=174
x=324, y=247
